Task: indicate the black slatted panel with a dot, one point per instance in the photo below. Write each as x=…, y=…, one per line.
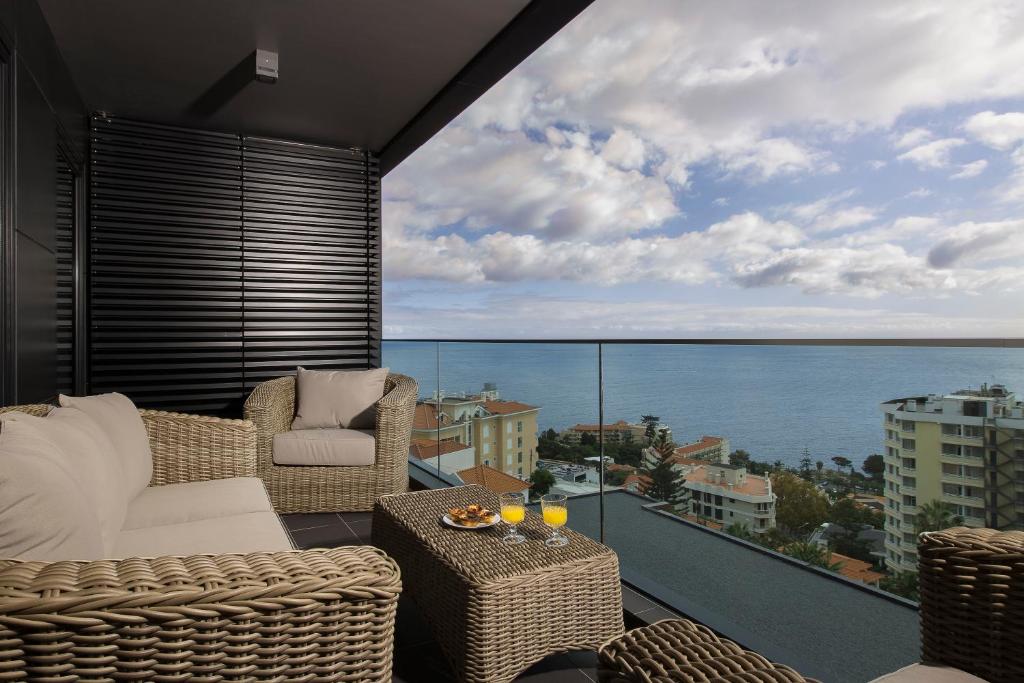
x=65, y=275
x=166, y=265
x=312, y=258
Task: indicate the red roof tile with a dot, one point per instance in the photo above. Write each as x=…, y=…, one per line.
x=430, y=448
x=507, y=407
x=493, y=479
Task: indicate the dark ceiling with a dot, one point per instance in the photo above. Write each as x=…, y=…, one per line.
x=352, y=72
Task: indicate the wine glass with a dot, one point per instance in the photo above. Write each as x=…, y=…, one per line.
x=556, y=514
x=513, y=512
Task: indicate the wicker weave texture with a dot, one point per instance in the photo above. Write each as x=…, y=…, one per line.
x=680, y=651
x=271, y=406
x=972, y=601
x=497, y=609
x=315, y=615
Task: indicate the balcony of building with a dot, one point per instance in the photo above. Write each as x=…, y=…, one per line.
x=193, y=220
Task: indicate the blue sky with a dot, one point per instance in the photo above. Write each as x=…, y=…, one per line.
x=678, y=169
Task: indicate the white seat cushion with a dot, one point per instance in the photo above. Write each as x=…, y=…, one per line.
x=44, y=514
x=92, y=462
x=119, y=418
x=336, y=447
x=195, y=501
x=246, y=533
x=923, y=673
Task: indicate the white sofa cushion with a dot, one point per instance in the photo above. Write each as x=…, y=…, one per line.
x=332, y=447
x=196, y=501
x=923, y=673
x=246, y=533
x=92, y=461
x=119, y=418
x=44, y=515
x=338, y=398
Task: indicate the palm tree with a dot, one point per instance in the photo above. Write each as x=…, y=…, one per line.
x=935, y=516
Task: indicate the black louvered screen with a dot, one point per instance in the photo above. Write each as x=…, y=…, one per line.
x=166, y=265
x=219, y=262
x=65, y=275
x=311, y=258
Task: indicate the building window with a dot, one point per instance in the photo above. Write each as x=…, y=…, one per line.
x=907, y=426
x=519, y=443
x=520, y=471
x=508, y=443
x=487, y=448
x=718, y=514
x=908, y=444
x=508, y=459
x=520, y=457
x=519, y=426
x=487, y=430
x=508, y=428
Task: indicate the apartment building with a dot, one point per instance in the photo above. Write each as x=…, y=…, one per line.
x=503, y=434
x=707, y=449
x=726, y=494
x=617, y=432
x=965, y=449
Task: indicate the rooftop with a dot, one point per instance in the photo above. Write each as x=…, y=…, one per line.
x=855, y=569
x=425, y=417
x=495, y=480
x=704, y=443
x=619, y=426
x=431, y=448
x=753, y=484
x=777, y=606
x=507, y=407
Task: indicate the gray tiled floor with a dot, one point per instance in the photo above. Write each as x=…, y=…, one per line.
x=417, y=657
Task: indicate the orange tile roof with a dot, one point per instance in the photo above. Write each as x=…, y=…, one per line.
x=855, y=569
x=642, y=481
x=430, y=448
x=620, y=426
x=704, y=443
x=425, y=417
x=616, y=467
x=709, y=523
x=495, y=480
x=506, y=407
x=753, y=485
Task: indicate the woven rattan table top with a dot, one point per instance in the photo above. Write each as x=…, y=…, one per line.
x=479, y=554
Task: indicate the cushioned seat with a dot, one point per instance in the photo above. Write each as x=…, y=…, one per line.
x=332, y=447
x=196, y=501
x=245, y=533
x=922, y=673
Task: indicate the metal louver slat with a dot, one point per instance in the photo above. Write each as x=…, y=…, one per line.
x=166, y=265
x=65, y=275
x=309, y=243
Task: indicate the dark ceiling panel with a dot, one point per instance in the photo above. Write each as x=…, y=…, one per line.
x=352, y=73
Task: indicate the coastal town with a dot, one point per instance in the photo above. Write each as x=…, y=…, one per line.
x=858, y=519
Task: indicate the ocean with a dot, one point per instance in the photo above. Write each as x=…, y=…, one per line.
x=772, y=401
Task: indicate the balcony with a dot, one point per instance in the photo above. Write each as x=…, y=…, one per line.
x=188, y=233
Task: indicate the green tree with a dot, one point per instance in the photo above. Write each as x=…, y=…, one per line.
x=812, y=553
x=842, y=463
x=739, y=457
x=665, y=482
x=800, y=507
x=874, y=466
x=588, y=439
x=901, y=583
x=650, y=423
x=740, y=530
x=851, y=516
x=819, y=465
x=541, y=482
x=935, y=516
x=805, y=466
x=616, y=477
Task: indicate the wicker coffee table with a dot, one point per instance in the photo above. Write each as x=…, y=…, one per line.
x=496, y=609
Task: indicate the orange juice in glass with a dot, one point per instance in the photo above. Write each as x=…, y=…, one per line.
x=513, y=512
x=555, y=514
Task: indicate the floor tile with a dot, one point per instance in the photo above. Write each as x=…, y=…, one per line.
x=422, y=664
x=634, y=603
x=356, y=516
x=297, y=521
x=325, y=536
x=361, y=529
x=657, y=614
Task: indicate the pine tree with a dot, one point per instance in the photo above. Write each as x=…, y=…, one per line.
x=665, y=483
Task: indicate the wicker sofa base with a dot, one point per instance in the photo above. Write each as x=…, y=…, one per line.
x=680, y=651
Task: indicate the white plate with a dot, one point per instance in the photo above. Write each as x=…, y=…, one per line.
x=450, y=522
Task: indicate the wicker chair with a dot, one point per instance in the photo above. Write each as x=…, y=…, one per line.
x=307, y=488
x=311, y=615
x=972, y=601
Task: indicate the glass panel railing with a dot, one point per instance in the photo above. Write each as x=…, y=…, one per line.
x=747, y=480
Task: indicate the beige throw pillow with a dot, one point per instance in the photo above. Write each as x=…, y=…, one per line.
x=328, y=399
x=44, y=514
x=119, y=418
x=92, y=463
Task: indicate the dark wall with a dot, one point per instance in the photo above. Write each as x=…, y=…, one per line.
x=218, y=261
x=43, y=121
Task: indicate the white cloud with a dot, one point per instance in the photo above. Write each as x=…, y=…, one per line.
x=912, y=138
x=624, y=149
x=829, y=213
x=978, y=243
x=1000, y=131
x=971, y=169
x=919, y=193
x=934, y=154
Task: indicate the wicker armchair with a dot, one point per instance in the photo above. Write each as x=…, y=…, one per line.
x=312, y=615
x=972, y=601
x=307, y=488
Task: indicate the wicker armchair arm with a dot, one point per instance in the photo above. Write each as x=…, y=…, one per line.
x=323, y=612
x=198, y=447
x=271, y=407
x=395, y=412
